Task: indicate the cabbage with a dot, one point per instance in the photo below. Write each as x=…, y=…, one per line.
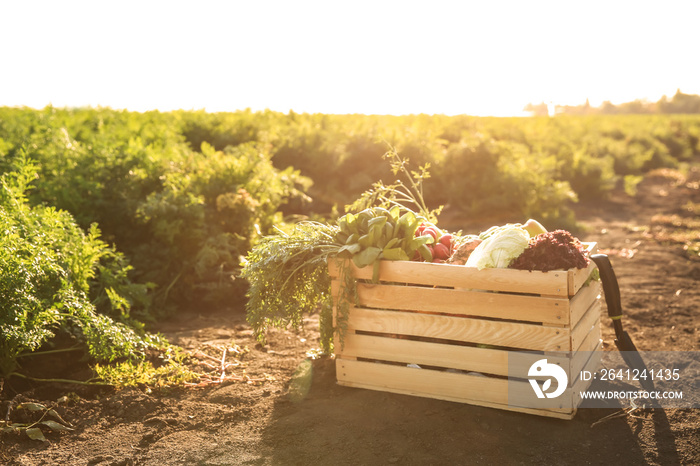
x=500, y=249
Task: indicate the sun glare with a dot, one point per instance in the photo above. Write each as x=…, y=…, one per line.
x=384, y=57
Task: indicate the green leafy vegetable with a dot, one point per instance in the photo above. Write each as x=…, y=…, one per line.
x=501, y=246
x=288, y=277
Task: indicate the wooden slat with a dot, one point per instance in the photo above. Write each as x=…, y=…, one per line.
x=489, y=332
x=582, y=301
x=571, y=398
x=421, y=381
x=578, y=277
x=591, y=343
x=581, y=385
x=593, y=340
x=554, y=283
x=464, y=358
x=463, y=388
x=462, y=302
x=585, y=325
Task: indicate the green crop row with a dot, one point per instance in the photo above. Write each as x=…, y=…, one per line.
x=182, y=217
x=183, y=195
x=526, y=166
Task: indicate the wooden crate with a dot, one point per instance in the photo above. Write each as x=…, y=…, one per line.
x=459, y=325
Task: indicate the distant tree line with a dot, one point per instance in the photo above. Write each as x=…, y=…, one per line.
x=680, y=103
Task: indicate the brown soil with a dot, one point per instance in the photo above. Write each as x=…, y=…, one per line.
x=266, y=418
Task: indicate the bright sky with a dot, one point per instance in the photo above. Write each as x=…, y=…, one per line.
x=338, y=56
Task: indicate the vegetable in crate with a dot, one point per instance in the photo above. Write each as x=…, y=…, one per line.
x=376, y=233
x=463, y=249
x=500, y=246
x=433, y=245
x=552, y=251
x=534, y=228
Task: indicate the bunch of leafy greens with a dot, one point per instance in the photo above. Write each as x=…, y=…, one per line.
x=288, y=272
x=51, y=275
x=288, y=276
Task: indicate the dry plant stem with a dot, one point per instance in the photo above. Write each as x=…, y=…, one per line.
x=223, y=366
x=621, y=413
x=209, y=365
x=617, y=414
x=640, y=417
x=212, y=381
x=43, y=353
x=220, y=367
x=77, y=382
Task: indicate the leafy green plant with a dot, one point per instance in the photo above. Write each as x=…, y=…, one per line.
x=469, y=175
x=173, y=371
x=211, y=209
x=47, y=266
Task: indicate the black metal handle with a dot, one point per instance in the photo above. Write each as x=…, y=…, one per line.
x=623, y=341
x=611, y=290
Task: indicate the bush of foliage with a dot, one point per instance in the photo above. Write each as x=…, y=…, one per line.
x=183, y=217
x=56, y=278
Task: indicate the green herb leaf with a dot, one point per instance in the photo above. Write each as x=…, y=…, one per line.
x=366, y=257
x=35, y=433
x=53, y=425
x=395, y=254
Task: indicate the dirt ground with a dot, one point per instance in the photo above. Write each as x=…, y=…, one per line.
x=288, y=410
